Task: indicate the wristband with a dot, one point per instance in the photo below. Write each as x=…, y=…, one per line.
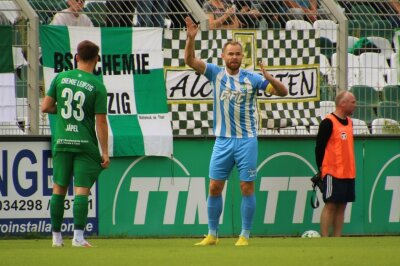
x=269, y=88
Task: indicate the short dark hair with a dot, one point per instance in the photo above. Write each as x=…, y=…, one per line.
x=88, y=50
x=231, y=43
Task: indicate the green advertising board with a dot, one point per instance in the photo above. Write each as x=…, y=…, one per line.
x=158, y=196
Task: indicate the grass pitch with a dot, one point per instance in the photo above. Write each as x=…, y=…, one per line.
x=179, y=251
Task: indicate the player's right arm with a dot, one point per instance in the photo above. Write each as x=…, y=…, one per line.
x=49, y=105
x=190, y=58
x=49, y=101
x=324, y=133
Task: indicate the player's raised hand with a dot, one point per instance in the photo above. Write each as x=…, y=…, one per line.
x=191, y=28
x=260, y=63
x=275, y=86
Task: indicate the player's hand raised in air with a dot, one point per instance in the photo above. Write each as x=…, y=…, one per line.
x=191, y=28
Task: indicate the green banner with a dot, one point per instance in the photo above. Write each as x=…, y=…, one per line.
x=152, y=196
x=6, y=58
x=131, y=68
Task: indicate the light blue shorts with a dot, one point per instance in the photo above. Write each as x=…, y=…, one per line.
x=230, y=151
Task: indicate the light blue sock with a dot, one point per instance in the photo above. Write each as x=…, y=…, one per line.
x=248, y=209
x=214, y=209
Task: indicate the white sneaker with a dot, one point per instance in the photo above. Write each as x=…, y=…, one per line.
x=57, y=244
x=81, y=244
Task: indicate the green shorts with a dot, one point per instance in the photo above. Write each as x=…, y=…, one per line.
x=85, y=168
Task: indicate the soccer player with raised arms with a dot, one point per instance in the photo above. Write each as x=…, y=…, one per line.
x=235, y=128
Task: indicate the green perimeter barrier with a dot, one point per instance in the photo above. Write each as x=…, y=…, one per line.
x=158, y=196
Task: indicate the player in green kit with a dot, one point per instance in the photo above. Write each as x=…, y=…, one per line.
x=79, y=101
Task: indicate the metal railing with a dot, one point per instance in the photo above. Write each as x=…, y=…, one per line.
x=352, y=20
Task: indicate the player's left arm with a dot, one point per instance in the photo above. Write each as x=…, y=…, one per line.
x=274, y=87
x=102, y=135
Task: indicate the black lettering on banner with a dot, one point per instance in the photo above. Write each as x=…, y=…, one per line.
x=118, y=103
x=110, y=97
x=116, y=64
x=98, y=70
x=68, y=58
x=128, y=64
x=180, y=86
x=107, y=64
x=198, y=87
x=304, y=82
x=62, y=62
x=292, y=83
x=126, y=107
x=58, y=62
x=145, y=63
x=299, y=83
x=111, y=64
x=201, y=91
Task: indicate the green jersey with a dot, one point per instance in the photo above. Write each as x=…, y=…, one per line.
x=79, y=97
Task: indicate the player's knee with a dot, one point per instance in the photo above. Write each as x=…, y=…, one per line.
x=215, y=188
x=247, y=188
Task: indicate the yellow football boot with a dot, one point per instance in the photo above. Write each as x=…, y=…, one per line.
x=208, y=241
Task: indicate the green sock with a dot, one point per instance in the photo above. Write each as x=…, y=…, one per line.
x=80, y=211
x=56, y=211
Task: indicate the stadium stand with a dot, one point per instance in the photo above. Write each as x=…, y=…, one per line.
x=298, y=24
x=353, y=69
x=373, y=69
x=383, y=44
x=385, y=126
x=365, y=94
x=365, y=112
x=373, y=20
x=389, y=109
x=327, y=47
x=325, y=68
x=391, y=93
x=360, y=127
x=393, y=72
x=326, y=107
x=351, y=40
x=328, y=29
x=97, y=12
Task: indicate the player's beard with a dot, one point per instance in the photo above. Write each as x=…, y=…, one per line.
x=233, y=66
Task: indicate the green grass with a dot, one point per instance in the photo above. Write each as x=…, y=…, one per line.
x=178, y=251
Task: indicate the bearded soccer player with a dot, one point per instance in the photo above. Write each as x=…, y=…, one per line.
x=79, y=101
x=235, y=128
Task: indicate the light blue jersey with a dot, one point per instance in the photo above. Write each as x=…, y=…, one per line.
x=235, y=111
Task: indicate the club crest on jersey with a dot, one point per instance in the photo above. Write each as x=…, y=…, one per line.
x=343, y=135
x=231, y=95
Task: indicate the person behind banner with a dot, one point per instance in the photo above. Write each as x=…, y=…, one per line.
x=334, y=153
x=221, y=15
x=72, y=15
x=79, y=101
x=151, y=13
x=235, y=128
x=120, y=13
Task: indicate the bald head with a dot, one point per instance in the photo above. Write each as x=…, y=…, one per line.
x=341, y=96
x=345, y=103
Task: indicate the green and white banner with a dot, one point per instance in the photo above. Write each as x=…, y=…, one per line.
x=7, y=77
x=131, y=67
